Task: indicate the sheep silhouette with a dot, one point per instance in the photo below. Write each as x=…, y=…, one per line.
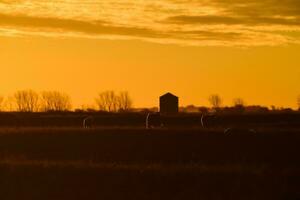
x=214, y=121
x=153, y=120
x=88, y=122
x=209, y=121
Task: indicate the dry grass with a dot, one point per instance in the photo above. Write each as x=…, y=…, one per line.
x=133, y=163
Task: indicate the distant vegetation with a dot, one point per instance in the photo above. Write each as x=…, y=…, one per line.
x=215, y=101
x=111, y=101
x=55, y=101
x=31, y=101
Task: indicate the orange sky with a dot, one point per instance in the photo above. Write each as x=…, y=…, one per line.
x=84, y=67
x=190, y=48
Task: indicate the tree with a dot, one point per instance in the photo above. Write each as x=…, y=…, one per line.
x=238, y=102
x=107, y=101
x=26, y=100
x=124, y=101
x=111, y=102
x=239, y=105
x=215, y=100
x=55, y=101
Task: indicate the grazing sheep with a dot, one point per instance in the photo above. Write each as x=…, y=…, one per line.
x=202, y=120
x=153, y=120
x=88, y=122
x=209, y=121
x=213, y=121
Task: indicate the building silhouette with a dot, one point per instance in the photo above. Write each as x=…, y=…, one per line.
x=168, y=104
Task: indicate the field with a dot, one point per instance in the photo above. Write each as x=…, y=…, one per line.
x=119, y=162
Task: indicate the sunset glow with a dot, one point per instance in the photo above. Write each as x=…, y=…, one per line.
x=192, y=48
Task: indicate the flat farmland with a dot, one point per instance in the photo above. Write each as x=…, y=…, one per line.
x=134, y=163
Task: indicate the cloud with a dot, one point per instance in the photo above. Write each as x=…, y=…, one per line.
x=9, y=1
x=260, y=7
x=89, y=27
x=241, y=20
x=183, y=22
x=250, y=12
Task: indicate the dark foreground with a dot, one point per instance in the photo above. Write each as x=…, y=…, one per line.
x=72, y=163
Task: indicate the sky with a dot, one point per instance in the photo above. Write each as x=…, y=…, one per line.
x=192, y=48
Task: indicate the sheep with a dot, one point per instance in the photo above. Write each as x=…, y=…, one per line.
x=153, y=120
x=213, y=121
x=208, y=121
x=88, y=122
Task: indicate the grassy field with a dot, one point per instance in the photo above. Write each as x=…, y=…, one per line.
x=134, y=163
x=75, y=119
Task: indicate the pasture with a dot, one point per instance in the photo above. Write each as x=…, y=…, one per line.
x=134, y=163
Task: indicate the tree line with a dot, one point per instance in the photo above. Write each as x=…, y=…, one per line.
x=108, y=101
x=31, y=101
x=46, y=101
x=216, y=102
x=112, y=102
